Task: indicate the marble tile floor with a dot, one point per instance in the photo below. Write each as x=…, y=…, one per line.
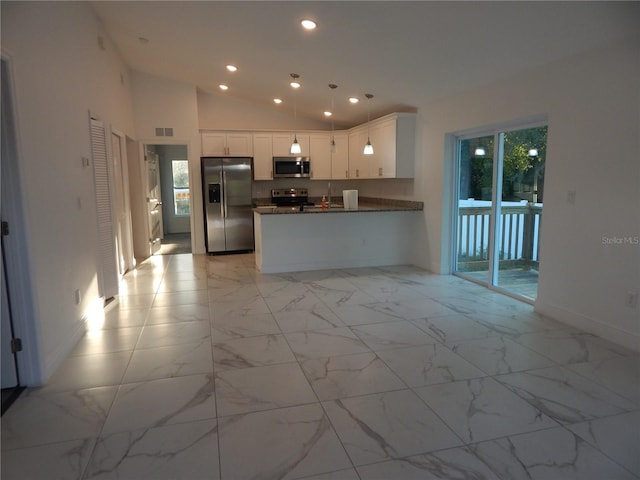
x=206, y=369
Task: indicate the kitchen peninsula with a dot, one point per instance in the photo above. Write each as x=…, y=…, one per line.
x=377, y=233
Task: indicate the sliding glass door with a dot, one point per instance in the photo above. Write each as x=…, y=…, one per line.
x=500, y=189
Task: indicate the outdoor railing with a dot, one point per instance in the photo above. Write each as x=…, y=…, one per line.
x=519, y=241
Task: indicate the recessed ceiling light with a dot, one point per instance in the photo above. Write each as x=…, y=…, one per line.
x=277, y=100
x=232, y=68
x=223, y=87
x=308, y=24
x=353, y=100
x=327, y=113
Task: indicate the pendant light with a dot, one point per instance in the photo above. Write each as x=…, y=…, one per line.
x=295, y=146
x=333, y=140
x=368, y=148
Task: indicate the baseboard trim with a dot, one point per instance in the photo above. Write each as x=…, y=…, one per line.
x=614, y=334
x=62, y=352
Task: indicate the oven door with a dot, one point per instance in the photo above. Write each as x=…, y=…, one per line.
x=291, y=167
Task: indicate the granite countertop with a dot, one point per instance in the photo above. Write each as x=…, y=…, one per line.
x=365, y=204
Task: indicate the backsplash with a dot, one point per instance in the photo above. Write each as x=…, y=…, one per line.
x=398, y=188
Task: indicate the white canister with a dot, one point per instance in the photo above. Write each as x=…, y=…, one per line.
x=350, y=199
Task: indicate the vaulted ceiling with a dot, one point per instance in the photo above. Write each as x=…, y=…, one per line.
x=404, y=53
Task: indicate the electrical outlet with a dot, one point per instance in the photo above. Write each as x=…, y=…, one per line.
x=632, y=299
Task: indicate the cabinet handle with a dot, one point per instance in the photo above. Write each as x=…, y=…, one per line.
x=357, y=172
x=380, y=171
x=346, y=174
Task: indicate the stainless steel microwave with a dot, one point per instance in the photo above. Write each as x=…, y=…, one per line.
x=291, y=167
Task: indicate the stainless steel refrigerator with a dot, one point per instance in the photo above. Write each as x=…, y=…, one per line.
x=228, y=216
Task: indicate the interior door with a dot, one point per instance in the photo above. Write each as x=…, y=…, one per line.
x=154, y=201
x=8, y=360
x=9, y=372
x=124, y=236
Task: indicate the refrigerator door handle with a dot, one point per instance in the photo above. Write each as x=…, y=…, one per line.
x=224, y=192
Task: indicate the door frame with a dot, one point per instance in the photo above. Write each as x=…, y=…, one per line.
x=453, y=140
x=142, y=148
x=122, y=209
x=19, y=263
x=154, y=243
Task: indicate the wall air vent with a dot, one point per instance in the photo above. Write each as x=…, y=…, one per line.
x=168, y=132
x=159, y=132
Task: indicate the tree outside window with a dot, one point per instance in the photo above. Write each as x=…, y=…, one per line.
x=181, y=193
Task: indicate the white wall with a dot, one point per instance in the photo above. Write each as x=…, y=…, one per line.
x=223, y=112
x=592, y=102
x=61, y=73
x=160, y=102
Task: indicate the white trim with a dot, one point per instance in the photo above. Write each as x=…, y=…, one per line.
x=64, y=349
x=20, y=269
x=125, y=236
x=524, y=123
x=193, y=167
x=604, y=330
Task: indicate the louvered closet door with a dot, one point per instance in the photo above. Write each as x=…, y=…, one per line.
x=107, y=265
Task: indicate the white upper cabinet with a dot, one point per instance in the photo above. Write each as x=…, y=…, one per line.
x=282, y=144
x=320, y=156
x=358, y=162
x=392, y=137
x=233, y=144
x=340, y=157
x=393, y=141
x=262, y=156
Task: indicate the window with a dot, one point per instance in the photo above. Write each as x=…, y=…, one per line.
x=181, y=193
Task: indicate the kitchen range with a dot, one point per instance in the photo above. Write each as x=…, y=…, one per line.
x=290, y=197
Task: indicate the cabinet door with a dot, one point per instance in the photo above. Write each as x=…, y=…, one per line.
x=340, y=157
x=214, y=144
x=320, y=155
x=384, y=145
x=262, y=157
x=282, y=144
x=239, y=144
x=359, y=163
